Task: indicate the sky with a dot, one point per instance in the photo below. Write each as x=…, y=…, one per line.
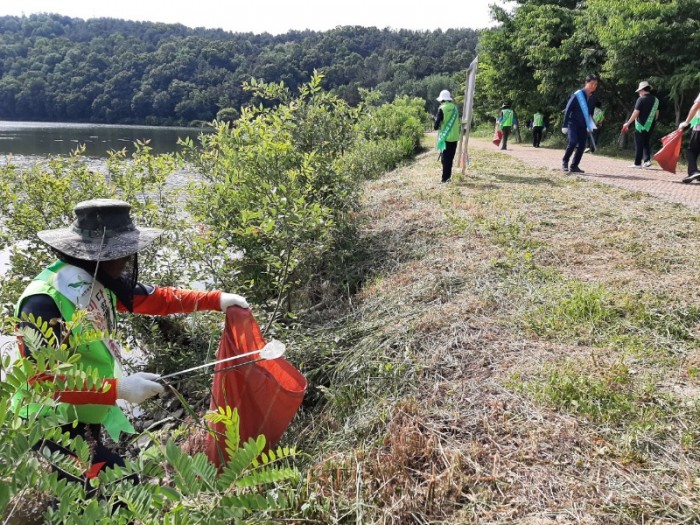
x=272, y=16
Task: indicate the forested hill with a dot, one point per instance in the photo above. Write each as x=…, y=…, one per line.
x=56, y=68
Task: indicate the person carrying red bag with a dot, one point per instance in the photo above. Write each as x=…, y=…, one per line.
x=97, y=271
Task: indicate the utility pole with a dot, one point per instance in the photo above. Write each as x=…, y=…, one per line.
x=467, y=111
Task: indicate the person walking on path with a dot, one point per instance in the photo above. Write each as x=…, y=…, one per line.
x=693, y=120
x=505, y=122
x=598, y=118
x=537, y=128
x=448, y=122
x=96, y=276
x=646, y=111
x=578, y=122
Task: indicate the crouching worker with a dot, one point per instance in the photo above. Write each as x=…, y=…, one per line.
x=97, y=273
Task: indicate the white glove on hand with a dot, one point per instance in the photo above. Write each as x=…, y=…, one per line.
x=232, y=299
x=138, y=387
x=565, y=130
x=683, y=125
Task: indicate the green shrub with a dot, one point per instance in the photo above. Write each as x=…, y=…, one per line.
x=404, y=118
x=273, y=201
x=175, y=487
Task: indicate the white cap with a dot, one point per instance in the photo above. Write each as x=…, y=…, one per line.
x=643, y=85
x=444, y=95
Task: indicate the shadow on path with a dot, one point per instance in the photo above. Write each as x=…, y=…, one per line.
x=603, y=170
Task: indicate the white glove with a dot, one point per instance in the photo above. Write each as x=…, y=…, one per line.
x=683, y=125
x=232, y=299
x=565, y=130
x=138, y=387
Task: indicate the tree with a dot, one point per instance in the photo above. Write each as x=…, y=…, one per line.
x=650, y=41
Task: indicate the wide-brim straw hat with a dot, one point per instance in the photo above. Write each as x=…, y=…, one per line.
x=102, y=231
x=643, y=85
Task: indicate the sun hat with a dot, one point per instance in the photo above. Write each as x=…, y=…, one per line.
x=444, y=95
x=643, y=85
x=505, y=105
x=102, y=231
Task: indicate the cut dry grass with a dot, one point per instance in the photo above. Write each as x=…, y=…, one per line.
x=525, y=350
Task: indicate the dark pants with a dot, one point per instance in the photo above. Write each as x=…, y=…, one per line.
x=577, y=141
x=536, y=136
x=642, y=147
x=92, y=436
x=693, y=152
x=447, y=158
x=506, y=133
x=593, y=144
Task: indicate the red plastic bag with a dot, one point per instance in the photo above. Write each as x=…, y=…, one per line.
x=667, y=156
x=497, y=136
x=267, y=394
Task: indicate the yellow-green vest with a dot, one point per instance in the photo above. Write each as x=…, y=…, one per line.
x=73, y=288
x=506, y=118
x=448, y=110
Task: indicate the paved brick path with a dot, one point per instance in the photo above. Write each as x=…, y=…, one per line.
x=607, y=170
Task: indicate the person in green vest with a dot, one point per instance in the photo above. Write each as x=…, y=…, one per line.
x=598, y=119
x=538, y=127
x=506, y=122
x=448, y=123
x=646, y=111
x=693, y=121
x=96, y=273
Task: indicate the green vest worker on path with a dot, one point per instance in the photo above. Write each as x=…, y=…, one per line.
x=97, y=273
x=537, y=129
x=448, y=122
x=506, y=120
x=646, y=111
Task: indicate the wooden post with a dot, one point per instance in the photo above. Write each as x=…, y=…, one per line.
x=467, y=112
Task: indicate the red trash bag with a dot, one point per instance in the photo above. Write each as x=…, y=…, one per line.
x=267, y=394
x=667, y=157
x=497, y=136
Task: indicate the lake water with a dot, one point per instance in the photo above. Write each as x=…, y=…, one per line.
x=28, y=142
x=41, y=139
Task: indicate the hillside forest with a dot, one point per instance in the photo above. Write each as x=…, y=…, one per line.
x=55, y=68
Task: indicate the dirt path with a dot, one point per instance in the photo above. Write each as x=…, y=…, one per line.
x=653, y=181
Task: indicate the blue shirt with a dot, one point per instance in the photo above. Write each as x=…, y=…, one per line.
x=573, y=116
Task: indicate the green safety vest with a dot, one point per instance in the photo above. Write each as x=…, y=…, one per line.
x=537, y=120
x=696, y=119
x=73, y=288
x=598, y=115
x=507, y=119
x=650, y=119
x=450, y=126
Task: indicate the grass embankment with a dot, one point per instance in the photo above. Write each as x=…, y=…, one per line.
x=525, y=351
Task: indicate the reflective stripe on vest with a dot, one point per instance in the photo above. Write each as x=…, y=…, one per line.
x=450, y=113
